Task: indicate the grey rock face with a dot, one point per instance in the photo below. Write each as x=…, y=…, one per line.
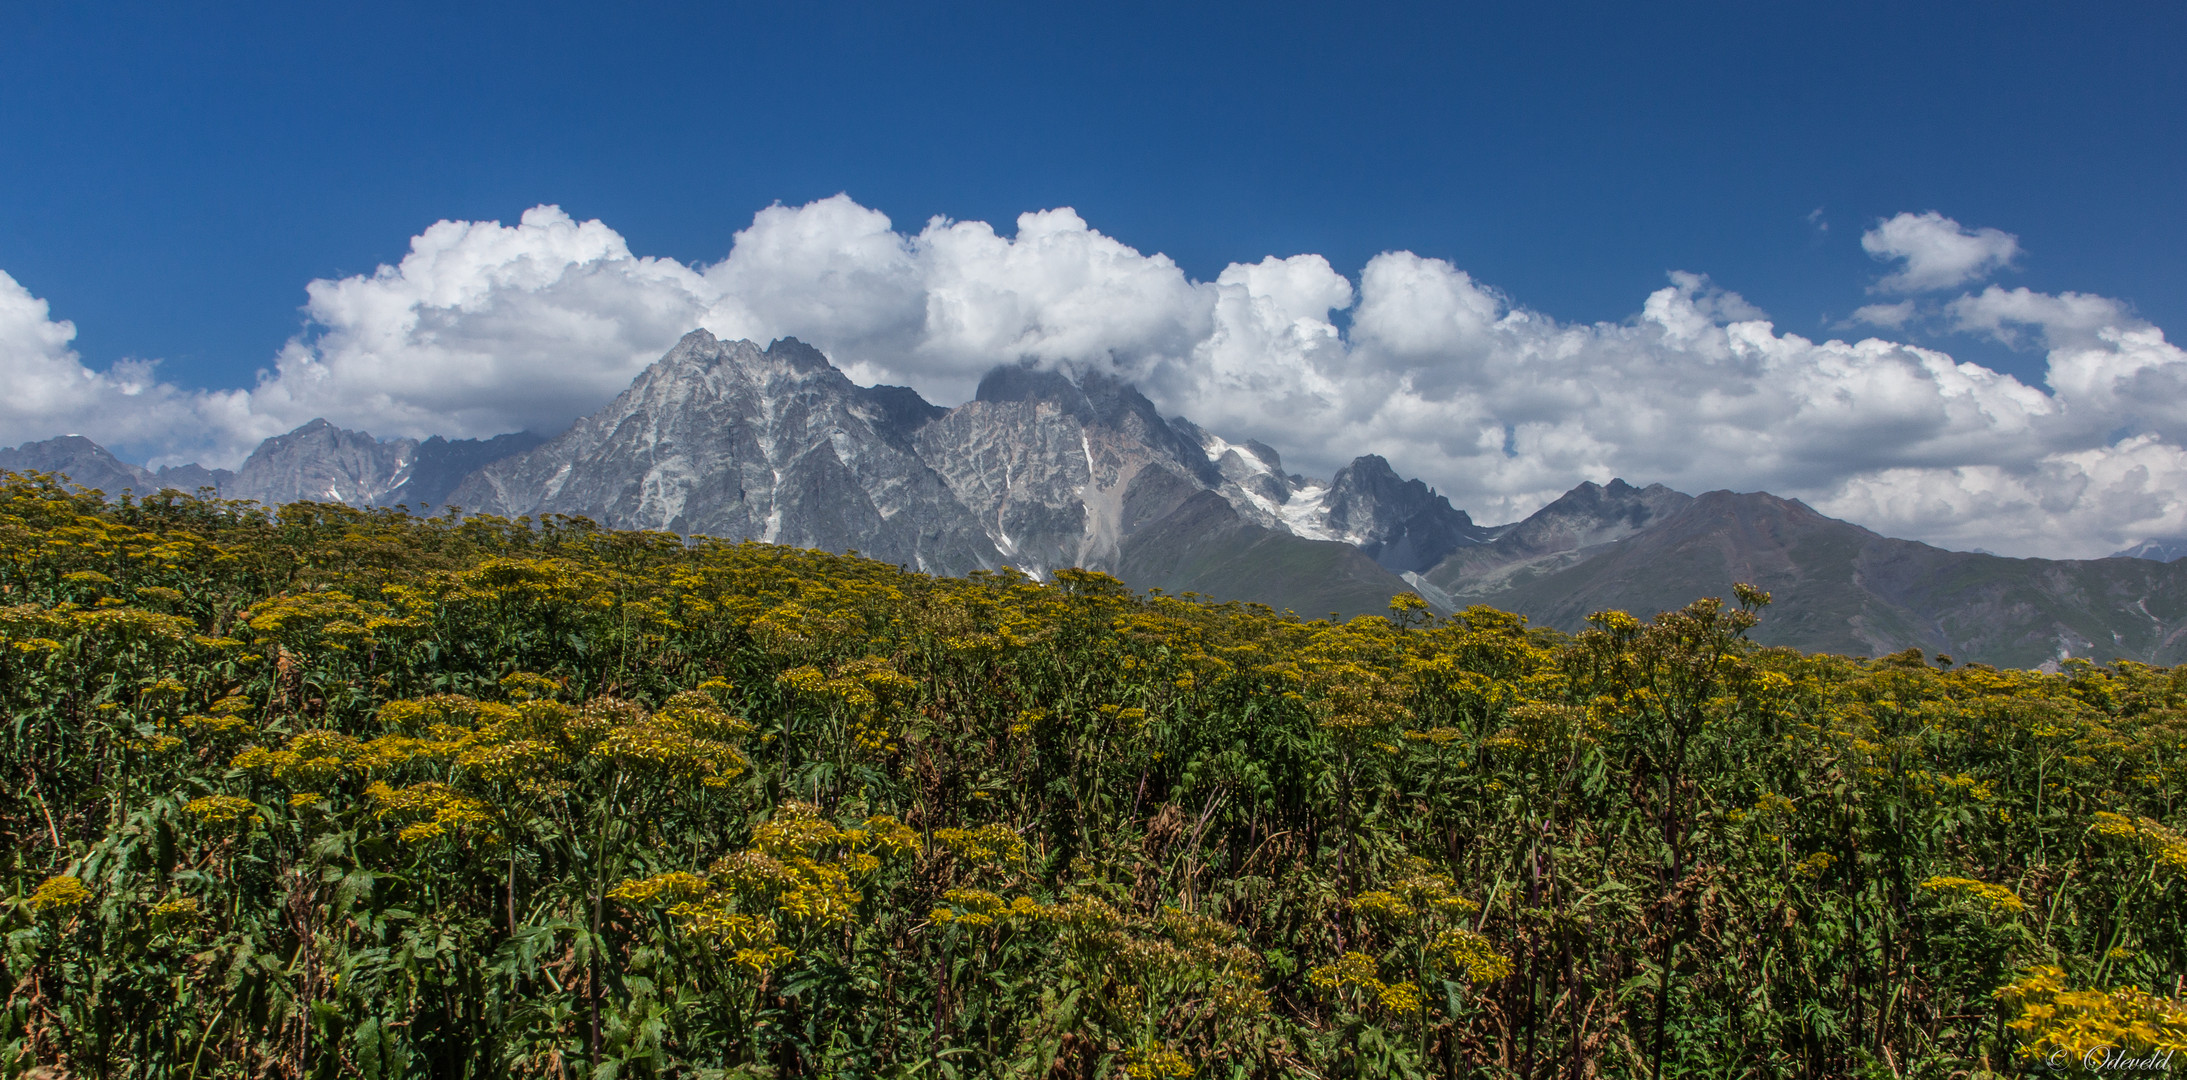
x=1058, y=473
x=190, y=479
x=1040, y=471
x=319, y=462
x=441, y=464
x=1402, y=524
x=83, y=462
x=727, y=439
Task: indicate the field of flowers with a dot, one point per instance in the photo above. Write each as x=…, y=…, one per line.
x=343, y=793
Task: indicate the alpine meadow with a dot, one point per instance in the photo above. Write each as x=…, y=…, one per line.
x=336, y=792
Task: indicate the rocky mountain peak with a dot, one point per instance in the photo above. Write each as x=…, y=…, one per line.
x=84, y=462
x=1402, y=524
x=1592, y=514
x=728, y=439
x=322, y=463
x=1096, y=399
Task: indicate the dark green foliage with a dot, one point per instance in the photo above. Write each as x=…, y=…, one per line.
x=343, y=793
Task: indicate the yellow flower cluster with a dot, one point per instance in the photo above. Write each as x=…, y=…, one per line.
x=1157, y=1063
x=62, y=893
x=2082, y=1023
x=749, y=939
x=860, y=691
x=525, y=745
x=1542, y=727
x=891, y=836
x=528, y=686
x=800, y=886
x=1468, y=952
x=432, y=808
x=312, y=759
x=1028, y=720
x=973, y=908
x=798, y=867
x=2166, y=846
x=219, y=809
x=1929, y=783
x=1419, y=894
x=1997, y=899
x=1172, y=947
x=702, y=914
x=1357, y=971
x=689, y=740
x=988, y=845
x=1356, y=699
x=795, y=628
x=659, y=889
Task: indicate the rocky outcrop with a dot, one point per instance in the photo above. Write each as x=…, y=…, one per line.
x=440, y=465
x=319, y=462
x=1402, y=524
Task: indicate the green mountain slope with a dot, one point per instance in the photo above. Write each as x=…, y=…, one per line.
x=1841, y=588
x=1203, y=546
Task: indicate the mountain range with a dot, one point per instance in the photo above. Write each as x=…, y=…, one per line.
x=1043, y=470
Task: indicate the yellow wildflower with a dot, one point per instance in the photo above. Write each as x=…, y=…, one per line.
x=220, y=809
x=62, y=893
x=1997, y=899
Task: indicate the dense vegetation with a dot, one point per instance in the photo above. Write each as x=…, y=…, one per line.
x=334, y=792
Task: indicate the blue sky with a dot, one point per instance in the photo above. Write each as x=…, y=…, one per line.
x=1463, y=238
x=176, y=173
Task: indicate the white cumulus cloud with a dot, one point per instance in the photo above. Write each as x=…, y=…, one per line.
x=50, y=391
x=1938, y=253
x=484, y=328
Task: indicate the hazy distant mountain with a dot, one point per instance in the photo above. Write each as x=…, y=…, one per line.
x=1838, y=587
x=84, y=462
x=317, y=462
x=2161, y=548
x=439, y=465
x=1566, y=532
x=190, y=479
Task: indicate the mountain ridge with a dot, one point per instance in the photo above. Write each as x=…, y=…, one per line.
x=1043, y=470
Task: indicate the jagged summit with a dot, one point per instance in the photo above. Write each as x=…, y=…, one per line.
x=82, y=461
x=1403, y=524
x=1098, y=400
x=729, y=439
x=323, y=463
